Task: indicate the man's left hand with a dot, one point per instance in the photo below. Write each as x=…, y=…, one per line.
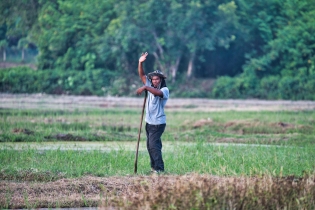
x=140, y=90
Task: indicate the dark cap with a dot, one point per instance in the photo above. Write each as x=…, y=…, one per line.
x=156, y=73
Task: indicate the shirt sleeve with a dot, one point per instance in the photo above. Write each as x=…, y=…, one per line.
x=147, y=82
x=165, y=92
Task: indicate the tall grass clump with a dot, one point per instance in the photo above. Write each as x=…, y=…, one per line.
x=210, y=192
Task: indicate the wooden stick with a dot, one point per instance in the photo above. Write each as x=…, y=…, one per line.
x=143, y=106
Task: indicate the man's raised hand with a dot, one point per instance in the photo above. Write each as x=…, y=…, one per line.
x=143, y=57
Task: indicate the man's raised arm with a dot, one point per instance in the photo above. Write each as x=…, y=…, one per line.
x=140, y=67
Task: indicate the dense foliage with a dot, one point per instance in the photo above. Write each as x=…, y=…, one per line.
x=258, y=49
x=285, y=66
x=58, y=81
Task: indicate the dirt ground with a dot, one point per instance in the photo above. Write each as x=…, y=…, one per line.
x=89, y=190
x=10, y=64
x=43, y=101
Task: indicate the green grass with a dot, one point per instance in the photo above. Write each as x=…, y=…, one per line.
x=201, y=158
x=280, y=128
x=290, y=136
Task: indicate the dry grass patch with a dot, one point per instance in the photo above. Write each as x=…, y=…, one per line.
x=257, y=127
x=202, y=122
x=163, y=192
x=247, y=126
x=30, y=174
x=210, y=192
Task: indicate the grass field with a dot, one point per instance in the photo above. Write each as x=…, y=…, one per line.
x=229, y=159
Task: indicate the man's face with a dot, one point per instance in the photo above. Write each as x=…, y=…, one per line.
x=156, y=81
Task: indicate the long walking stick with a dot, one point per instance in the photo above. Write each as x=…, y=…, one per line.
x=143, y=106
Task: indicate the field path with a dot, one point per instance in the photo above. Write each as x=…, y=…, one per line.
x=38, y=101
x=107, y=146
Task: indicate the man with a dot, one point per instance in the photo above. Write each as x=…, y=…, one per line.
x=158, y=95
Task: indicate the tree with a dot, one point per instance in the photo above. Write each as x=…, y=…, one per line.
x=70, y=32
x=281, y=64
x=19, y=16
x=3, y=46
x=171, y=30
x=292, y=48
x=22, y=45
x=207, y=27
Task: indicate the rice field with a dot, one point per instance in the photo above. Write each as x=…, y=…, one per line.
x=217, y=154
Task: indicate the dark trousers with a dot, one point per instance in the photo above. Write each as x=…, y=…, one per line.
x=154, y=145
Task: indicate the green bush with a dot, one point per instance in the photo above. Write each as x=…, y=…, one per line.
x=190, y=88
x=309, y=87
x=224, y=88
x=20, y=80
x=235, y=87
x=56, y=81
x=105, y=82
x=299, y=87
x=269, y=87
x=289, y=87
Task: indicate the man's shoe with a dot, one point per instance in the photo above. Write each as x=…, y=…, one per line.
x=156, y=171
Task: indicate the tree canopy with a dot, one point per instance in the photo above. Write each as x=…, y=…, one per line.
x=246, y=44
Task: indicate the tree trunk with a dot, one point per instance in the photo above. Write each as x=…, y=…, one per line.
x=158, y=45
x=174, y=69
x=157, y=58
x=23, y=55
x=190, y=65
x=4, y=55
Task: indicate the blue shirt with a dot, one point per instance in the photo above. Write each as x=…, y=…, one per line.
x=155, y=106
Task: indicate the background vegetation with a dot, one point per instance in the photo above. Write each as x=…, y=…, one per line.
x=261, y=49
